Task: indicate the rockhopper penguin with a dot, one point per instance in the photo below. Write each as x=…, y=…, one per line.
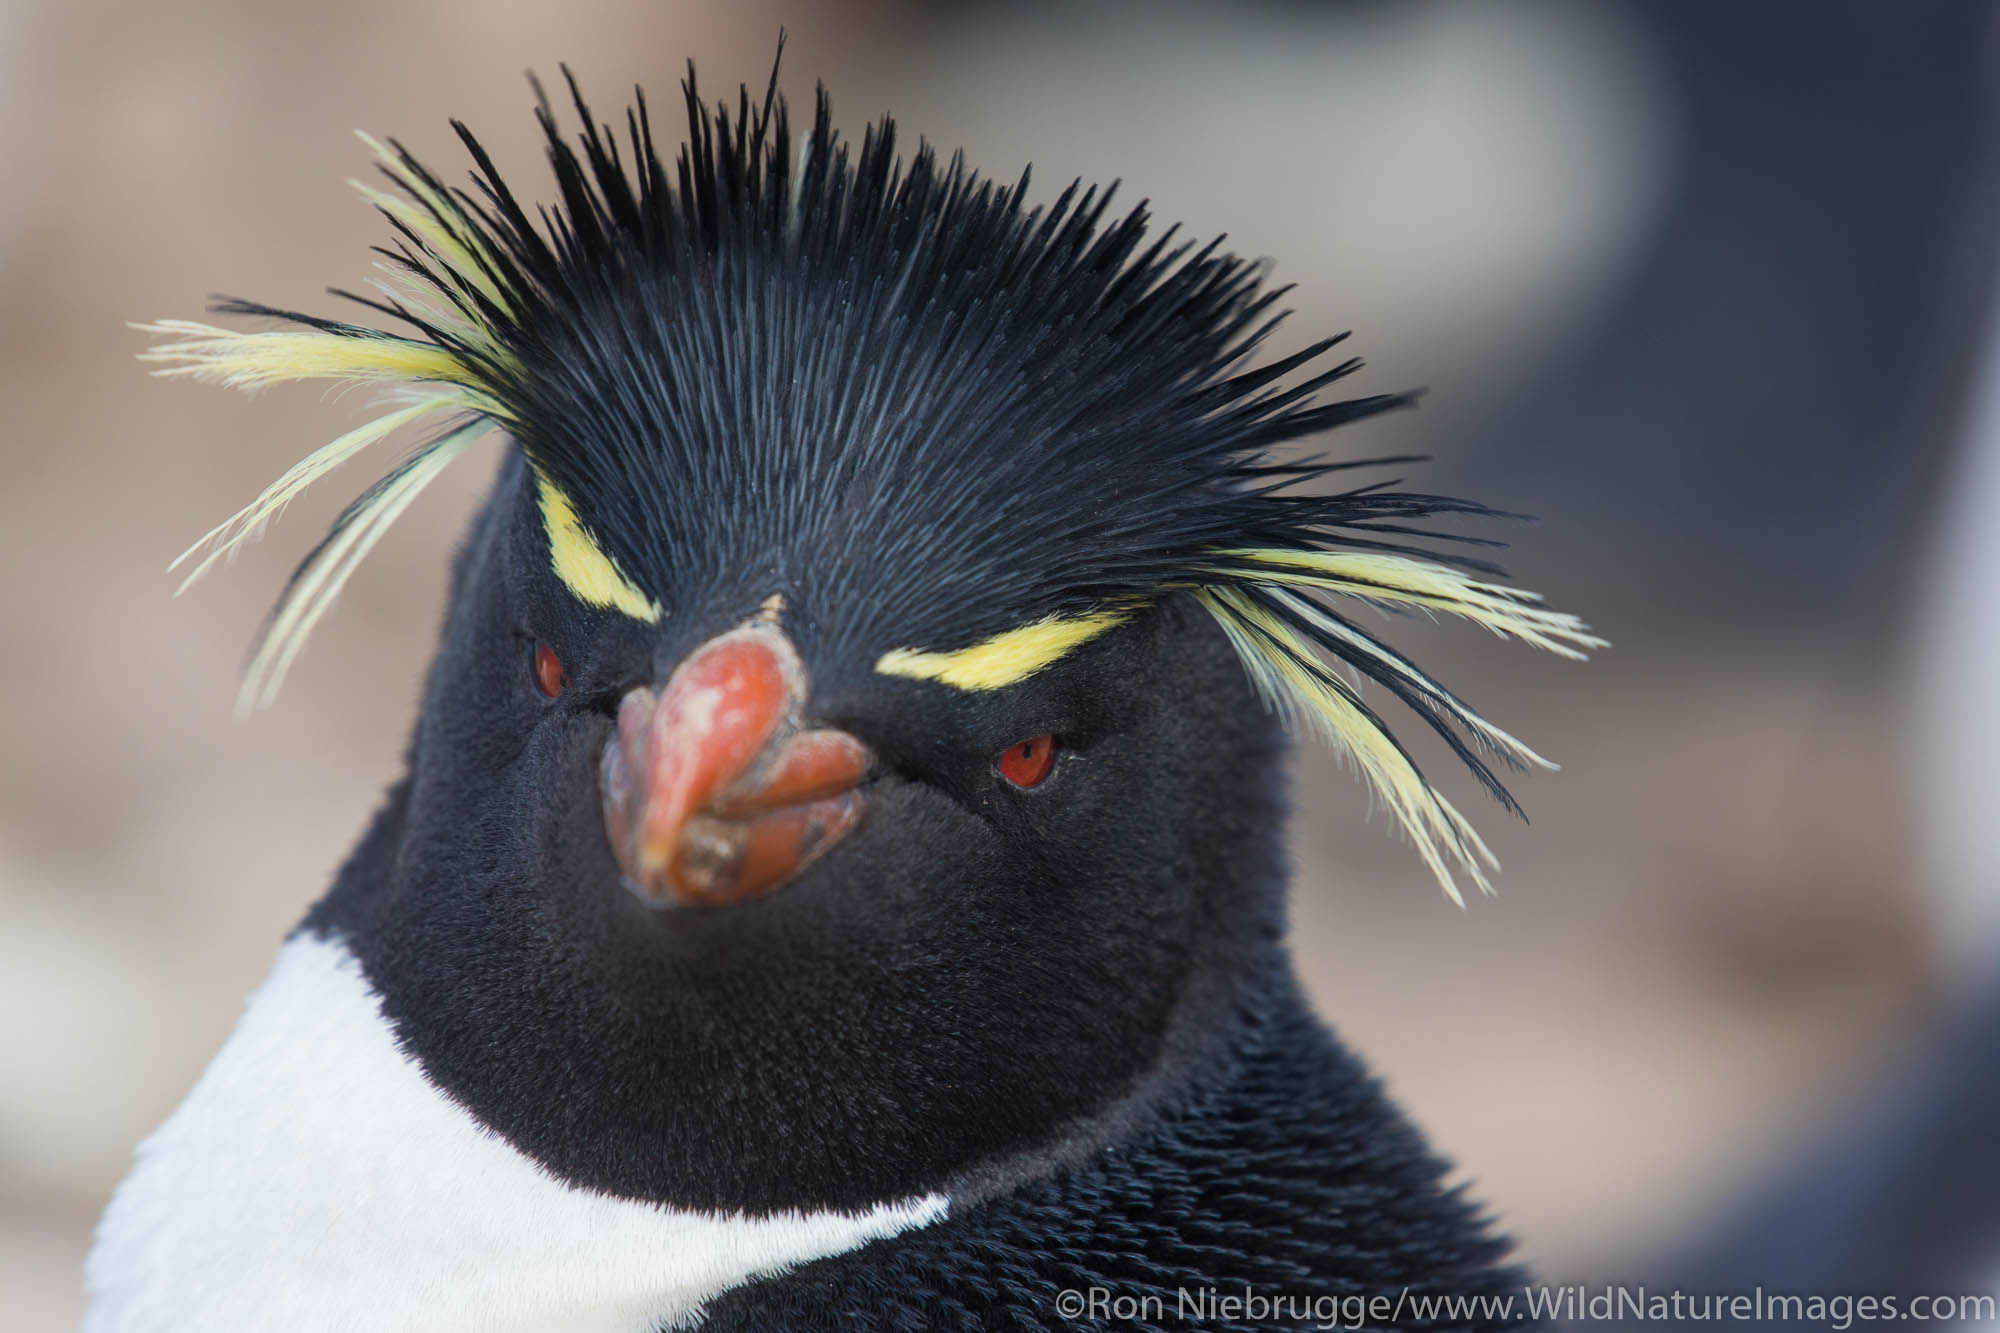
x=838, y=879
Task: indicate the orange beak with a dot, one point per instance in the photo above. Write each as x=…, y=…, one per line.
x=713, y=790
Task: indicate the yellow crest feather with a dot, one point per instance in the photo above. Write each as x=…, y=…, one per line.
x=435, y=222
x=1402, y=580
x=1294, y=678
x=247, y=523
x=433, y=381
x=1294, y=681
x=258, y=359
x=312, y=590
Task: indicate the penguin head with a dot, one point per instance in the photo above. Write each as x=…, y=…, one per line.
x=851, y=760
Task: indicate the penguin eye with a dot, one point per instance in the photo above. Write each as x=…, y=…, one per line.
x=1028, y=764
x=549, y=675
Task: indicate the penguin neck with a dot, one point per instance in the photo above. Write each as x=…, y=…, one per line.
x=1288, y=1171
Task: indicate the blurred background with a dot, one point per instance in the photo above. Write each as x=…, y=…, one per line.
x=1706, y=288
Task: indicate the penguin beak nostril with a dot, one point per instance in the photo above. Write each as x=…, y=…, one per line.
x=713, y=790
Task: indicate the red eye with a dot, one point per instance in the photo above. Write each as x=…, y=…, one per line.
x=549, y=677
x=1027, y=764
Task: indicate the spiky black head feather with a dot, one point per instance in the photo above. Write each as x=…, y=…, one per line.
x=920, y=409
x=924, y=413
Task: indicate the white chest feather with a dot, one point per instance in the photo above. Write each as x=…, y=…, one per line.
x=315, y=1180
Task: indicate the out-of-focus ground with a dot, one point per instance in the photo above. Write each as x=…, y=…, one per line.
x=1712, y=928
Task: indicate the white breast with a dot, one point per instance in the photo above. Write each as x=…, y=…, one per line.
x=316, y=1180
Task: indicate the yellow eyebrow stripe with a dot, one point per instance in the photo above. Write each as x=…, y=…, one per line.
x=1003, y=659
x=585, y=569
